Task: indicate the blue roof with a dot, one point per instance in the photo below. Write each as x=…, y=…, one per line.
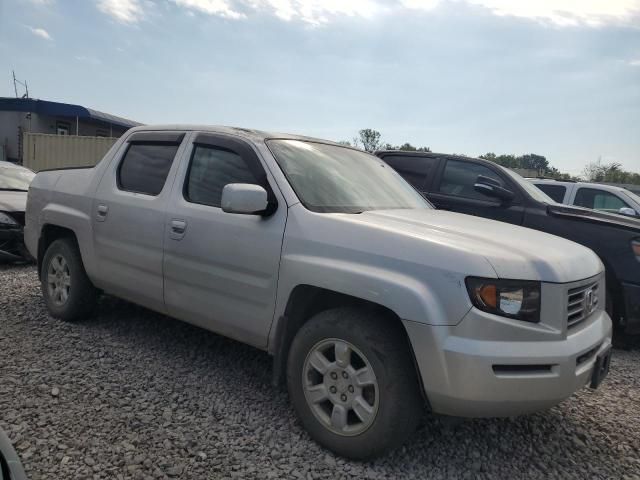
x=44, y=107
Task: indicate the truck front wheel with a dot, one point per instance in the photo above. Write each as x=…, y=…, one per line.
x=353, y=383
x=67, y=291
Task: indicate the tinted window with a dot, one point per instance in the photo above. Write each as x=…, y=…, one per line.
x=598, y=199
x=211, y=169
x=554, y=191
x=415, y=170
x=145, y=167
x=459, y=177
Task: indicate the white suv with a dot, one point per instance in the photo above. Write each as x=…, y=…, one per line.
x=591, y=195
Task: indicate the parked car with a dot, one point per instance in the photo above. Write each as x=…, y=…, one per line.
x=14, y=184
x=483, y=188
x=371, y=301
x=608, y=198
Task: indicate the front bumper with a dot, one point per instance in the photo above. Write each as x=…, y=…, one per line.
x=12, y=244
x=489, y=366
x=631, y=295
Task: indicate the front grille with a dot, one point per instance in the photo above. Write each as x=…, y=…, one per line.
x=581, y=303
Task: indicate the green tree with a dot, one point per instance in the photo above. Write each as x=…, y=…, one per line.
x=609, y=172
x=369, y=140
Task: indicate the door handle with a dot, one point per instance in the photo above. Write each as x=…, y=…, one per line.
x=178, y=227
x=101, y=212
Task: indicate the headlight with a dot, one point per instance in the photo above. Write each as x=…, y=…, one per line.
x=7, y=220
x=635, y=245
x=519, y=299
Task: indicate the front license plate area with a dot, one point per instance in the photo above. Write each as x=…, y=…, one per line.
x=601, y=367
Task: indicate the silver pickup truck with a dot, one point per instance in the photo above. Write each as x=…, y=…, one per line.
x=372, y=303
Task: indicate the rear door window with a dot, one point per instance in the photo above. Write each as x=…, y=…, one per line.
x=415, y=170
x=145, y=167
x=556, y=192
x=459, y=178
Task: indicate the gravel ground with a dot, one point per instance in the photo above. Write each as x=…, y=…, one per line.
x=133, y=394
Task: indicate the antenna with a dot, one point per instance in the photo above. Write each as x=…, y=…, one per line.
x=17, y=82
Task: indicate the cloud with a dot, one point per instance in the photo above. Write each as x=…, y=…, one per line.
x=566, y=12
x=124, y=11
x=309, y=11
x=40, y=32
x=211, y=7
x=634, y=63
x=316, y=12
x=319, y=11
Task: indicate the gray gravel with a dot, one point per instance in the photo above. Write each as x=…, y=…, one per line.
x=133, y=394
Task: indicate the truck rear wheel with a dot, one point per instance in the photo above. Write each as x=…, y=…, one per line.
x=67, y=291
x=353, y=383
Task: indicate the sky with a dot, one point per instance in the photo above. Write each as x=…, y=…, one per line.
x=560, y=78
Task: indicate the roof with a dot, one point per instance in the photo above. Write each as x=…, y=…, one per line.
x=45, y=107
x=247, y=133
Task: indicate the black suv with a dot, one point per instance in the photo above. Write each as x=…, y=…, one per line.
x=483, y=188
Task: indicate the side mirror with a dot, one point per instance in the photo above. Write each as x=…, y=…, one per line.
x=244, y=198
x=628, y=211
x=492, y=188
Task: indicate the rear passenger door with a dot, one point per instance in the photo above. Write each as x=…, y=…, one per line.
x=454, y=190
x=221, y=269
x=128, y=217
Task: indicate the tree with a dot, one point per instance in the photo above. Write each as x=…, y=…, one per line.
x=369, y=140
x=531, y=161
x=407, y=147
x=609, y=172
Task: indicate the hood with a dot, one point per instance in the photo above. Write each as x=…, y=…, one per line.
x=595, y=216
x=13, y=201
x=514, y=252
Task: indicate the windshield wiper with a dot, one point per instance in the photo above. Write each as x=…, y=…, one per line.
x=13, y=190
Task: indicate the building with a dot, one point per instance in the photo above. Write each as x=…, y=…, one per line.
x=21, y=116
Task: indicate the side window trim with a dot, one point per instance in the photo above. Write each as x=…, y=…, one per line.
x=233, y=145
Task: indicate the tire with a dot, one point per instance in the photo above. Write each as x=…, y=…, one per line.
x=68, y=292
x=380, y=415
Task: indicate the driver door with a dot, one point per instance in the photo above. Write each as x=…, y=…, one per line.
x=454, y=190
x=221, y=269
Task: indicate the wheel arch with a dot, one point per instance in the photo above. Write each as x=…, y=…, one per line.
x=307, y=300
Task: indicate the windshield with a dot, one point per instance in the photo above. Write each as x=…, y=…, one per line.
x=15, y=178
x=529, y=187
x=329, y=178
